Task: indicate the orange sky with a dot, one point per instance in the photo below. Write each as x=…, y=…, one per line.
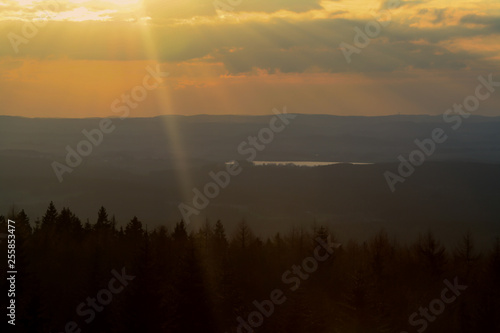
x=246, y=58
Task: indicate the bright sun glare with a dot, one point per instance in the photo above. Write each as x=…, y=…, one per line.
x=115, y=2
x=84, y=10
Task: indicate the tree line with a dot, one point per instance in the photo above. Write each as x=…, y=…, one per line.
x=204, y=280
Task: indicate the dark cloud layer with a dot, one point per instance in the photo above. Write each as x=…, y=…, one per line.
x=161, y=9
x=277, y=45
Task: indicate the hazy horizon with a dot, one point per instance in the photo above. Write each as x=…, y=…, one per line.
x=259, y=115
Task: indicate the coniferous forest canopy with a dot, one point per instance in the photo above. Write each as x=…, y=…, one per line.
x=94, y=276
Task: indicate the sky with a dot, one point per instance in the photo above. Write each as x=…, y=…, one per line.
x=74, y=58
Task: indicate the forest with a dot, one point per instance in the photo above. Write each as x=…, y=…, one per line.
x=116, y=276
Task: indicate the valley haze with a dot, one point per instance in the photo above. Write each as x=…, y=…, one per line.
x=136, y=171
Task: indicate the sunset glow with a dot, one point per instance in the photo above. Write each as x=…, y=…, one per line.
x=243, y=58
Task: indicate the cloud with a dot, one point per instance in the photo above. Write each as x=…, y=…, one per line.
x=269, y=6
x=298, y=44
x=178, y=9
x=440, y=15
x=387, y=4
x=487, y=20
x=278, y=45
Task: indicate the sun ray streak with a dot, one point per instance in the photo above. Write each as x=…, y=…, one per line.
x=175, y=139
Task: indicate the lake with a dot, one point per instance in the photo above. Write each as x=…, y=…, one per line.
x=304, y=163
